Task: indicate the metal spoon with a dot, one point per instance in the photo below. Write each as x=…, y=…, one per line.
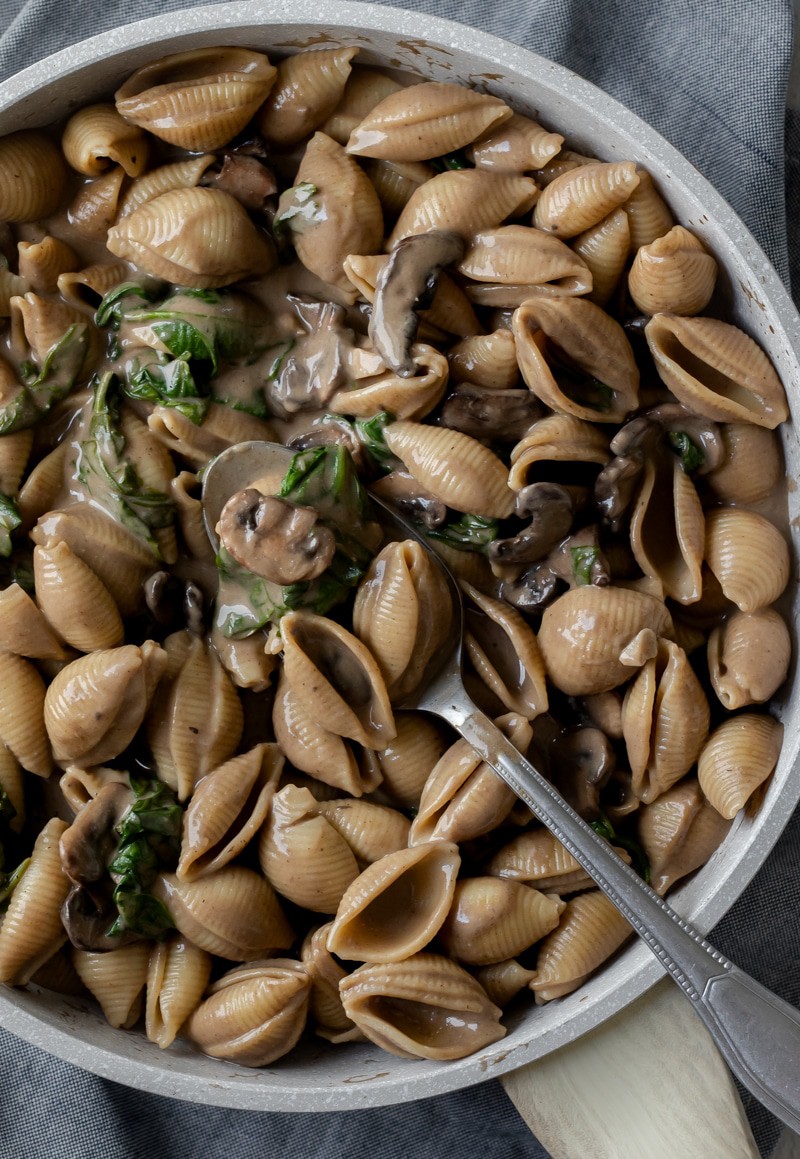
x=757, y=1033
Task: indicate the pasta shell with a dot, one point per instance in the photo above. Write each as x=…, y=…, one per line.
x=453, y=467
x=593, y=342
x=312, y=748
x=303, y=855
x=84, y=289
x=11, y=286
x=590, y=931
x=177, y=975
x=563, y=162
x=751, y=466
x=33, y=176
x=537, y=856
x=553, y=449
x=492, y=919
x=407, y=761
x=502, y=981
x=197, y=721
x=581, y=197
x=93, y=209
x=678, y=833
x=75, y=602
x=307, y=88
x=44, y=322
x=80, y=786
x=425, y=121
x=737, y=758
x=748, y=657
x=674, y=274
x=327, y=1012
x=648, y=213
x=667, y=529
x=41, y=263
x=11, y=782
x=348, y=217
x=59, y=974
x=117, y=980
x=97, y=137
x=31, y=931
x=584, y=631
x=246, y=661
x=176, y=175
x=197, y=99
x=120, y=558
x=22, y=714
x=463, y=797
x=465, y=201
x=527, y=260
x=95, y=705
x=502, y=650
x=365, y=88
x=23, y=628
x=232, y=913
x=221, y=428
x=402, y=612
x=424, y=1007
x=665, y=718
x=405, y=398
x=331, y=669
x=397, y=905
x=604, y=248
x=517, y=145
x=716, y=370
x=185, y=491
x=370, y=830
x=253, y=1014
x=748, y=555
x=227, y=808
x=395, y=181
x=196, y=237
x=488, y=360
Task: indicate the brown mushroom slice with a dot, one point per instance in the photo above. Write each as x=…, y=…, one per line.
x=274, y=538
x=493, y=918
x=678, y=833
x=485, y=413
x=424, y=1007
x=402, y=491
x=254, y=1014
x=90, y=842
x=551, y=509
x=503, y=651
x=232, y=913
x=409, y=274
x=331, y=668
x=397, y=905
x=227, y=808
x=581, y=761
x=668, y=529
x=665, y=719
x=463, y=796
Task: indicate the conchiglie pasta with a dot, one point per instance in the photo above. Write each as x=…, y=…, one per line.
x=307, y=88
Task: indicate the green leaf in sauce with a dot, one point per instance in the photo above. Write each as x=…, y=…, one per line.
x=114, y=305
x=467, y=532
x=10, y=518
x=149, y=835
x=59, y=372
x=583, y=560
x=371, y=435
x=450, y=161
x=110, y=477
x=298, y=208
x=690, y=455
x=169, y=382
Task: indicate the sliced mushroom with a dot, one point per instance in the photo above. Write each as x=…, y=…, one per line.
x=244, y=174
x=330, y=431
x=578, y=559
x=316, y=366
x=274, y=538
x=504, y=415
x=402, y=491
x=551, y=509
x=90, y=842
x=531, y=591
x=408, y=280
x=172, y=603
x=88, y=914
x=615, y=488
x=581, y=762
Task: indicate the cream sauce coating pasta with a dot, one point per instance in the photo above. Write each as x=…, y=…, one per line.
x=227, y=706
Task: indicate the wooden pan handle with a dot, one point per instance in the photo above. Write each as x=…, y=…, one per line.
x=648, y=1083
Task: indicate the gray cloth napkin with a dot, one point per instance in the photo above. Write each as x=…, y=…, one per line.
x=712, y=79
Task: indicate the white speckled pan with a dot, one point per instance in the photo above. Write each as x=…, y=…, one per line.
x=320, y=1078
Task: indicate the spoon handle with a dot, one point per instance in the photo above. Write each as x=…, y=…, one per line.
x=757, y=1033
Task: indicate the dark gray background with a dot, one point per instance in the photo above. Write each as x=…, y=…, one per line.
x=711, y=77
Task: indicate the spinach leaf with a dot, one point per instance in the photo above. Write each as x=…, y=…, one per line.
x=448, y=161
x=298, y=207
x=690, y=455
x=54, y=381
x=10, y=881
x=111, y=478
x=639, y=861
x=467, y=532
x=370, y=434
x=114, y=305
x=583, y=560
x=149, y=835
x=169, y=383
x=9, y=519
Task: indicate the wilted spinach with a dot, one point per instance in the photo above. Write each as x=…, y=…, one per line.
x=149, y=836
x=10, y=518
x=690, y=455
x=40, y=392
x=466, y=532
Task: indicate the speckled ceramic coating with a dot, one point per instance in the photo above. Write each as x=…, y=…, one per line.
x=359, y=1075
